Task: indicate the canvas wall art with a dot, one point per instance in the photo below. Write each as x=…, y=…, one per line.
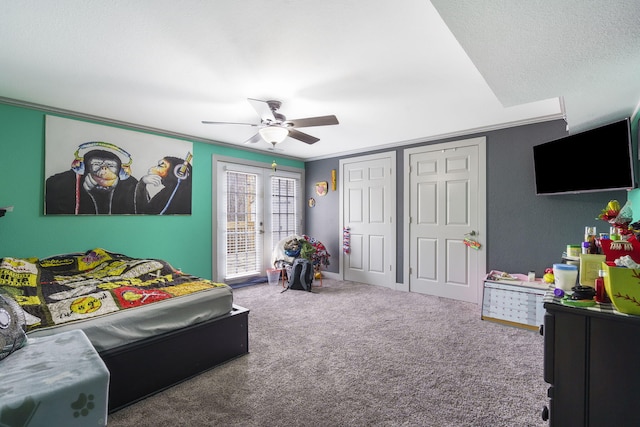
x=93, y=169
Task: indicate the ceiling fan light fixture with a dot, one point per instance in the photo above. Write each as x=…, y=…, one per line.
x=273, y=134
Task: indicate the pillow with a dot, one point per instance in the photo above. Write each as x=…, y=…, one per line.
x=12, y=326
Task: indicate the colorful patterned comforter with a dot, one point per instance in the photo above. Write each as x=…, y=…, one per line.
x=71, y=287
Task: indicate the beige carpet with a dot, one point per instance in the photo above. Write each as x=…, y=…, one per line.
x=359, y=355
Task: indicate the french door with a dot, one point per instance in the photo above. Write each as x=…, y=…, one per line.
x=256, y=208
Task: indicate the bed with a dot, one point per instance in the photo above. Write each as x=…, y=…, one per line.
x=153, y=326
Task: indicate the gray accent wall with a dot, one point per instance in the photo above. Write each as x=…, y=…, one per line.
x=524, y=231
x=323, y=220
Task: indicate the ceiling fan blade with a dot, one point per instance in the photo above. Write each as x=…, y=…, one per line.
x=301, y=136
x=255, y=138
x=263, y=109
x=207, y=122
x=313, y=121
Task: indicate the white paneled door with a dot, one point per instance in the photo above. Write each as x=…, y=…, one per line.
x=368, y=211
x=446, y=199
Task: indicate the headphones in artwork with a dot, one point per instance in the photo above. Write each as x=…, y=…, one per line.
x=78, y=164
x=182, y=171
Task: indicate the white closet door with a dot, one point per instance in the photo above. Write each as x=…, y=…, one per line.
x=445, y=199
x=368, y=209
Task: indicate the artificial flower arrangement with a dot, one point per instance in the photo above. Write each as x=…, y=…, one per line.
x=611, y=212
x=629, y=240
x=618, y=217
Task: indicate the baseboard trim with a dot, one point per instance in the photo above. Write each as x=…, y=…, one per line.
x=331, y=275
x=402, y=287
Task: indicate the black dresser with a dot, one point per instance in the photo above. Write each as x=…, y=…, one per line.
x=592, y=363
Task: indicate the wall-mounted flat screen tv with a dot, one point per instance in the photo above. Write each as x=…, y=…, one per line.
x=599, y=159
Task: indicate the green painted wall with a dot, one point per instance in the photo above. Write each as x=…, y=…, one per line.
x=184, y=241
x=633, y=196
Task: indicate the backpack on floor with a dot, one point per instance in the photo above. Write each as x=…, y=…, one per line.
x=301, y=275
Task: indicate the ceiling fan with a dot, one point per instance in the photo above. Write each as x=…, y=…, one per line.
x=274, y=126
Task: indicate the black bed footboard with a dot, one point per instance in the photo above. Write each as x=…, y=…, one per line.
x=143, y=368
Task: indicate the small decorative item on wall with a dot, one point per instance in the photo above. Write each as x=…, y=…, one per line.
x=321, y=188
x=93, y=169
x=333, y=180
x=311, y=202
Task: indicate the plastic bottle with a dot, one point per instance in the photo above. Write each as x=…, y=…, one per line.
x=589, y=233
x=590, y=237
x=613, y=233
x=601, y=292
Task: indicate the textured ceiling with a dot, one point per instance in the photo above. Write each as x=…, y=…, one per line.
x=392, y=72
x=586, y=52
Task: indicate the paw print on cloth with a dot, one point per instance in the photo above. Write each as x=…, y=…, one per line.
x=83, y=405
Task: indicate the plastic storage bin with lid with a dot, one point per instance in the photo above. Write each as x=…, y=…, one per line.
x=565, y=276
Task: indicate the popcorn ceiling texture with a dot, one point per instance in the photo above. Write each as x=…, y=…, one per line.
x=528, y=51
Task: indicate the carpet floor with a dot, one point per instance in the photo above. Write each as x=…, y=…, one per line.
x=350, y=354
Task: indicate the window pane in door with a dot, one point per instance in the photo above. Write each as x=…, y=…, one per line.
x=241, y=234
x=283, y=208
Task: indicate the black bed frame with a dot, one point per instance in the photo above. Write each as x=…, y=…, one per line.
x=146, y=367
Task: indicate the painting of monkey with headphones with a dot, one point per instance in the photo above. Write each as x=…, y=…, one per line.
x=97, y=183
x=172, y=179
x=101, y=180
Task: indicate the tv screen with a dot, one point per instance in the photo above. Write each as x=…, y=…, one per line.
x=599, y=159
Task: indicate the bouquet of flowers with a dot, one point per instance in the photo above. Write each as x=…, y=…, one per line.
x=610, y=213
x=618, y=217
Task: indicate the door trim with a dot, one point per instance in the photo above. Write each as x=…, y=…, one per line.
x=480, y=142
